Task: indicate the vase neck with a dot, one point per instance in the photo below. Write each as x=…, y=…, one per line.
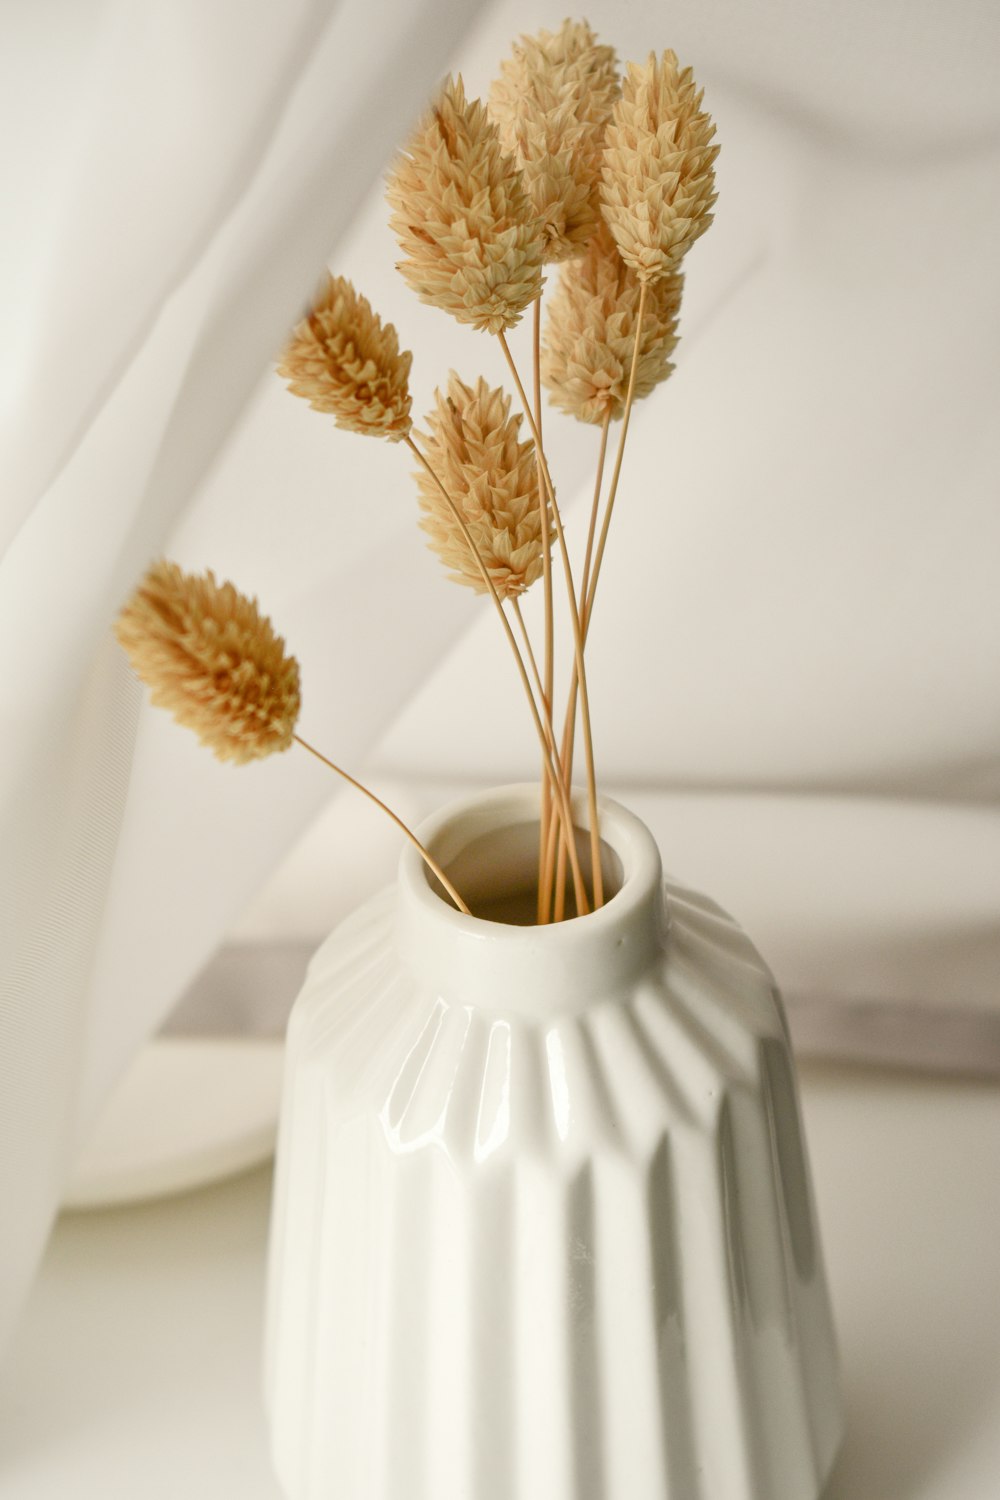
x=489, y=844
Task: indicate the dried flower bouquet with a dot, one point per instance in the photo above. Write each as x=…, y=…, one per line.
x=611, y=177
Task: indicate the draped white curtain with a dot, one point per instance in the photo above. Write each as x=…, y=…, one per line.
x=797, y=654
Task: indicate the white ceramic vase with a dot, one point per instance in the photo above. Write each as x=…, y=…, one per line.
x=543, y=1223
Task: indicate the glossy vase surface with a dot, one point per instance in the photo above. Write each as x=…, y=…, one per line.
x=543, y=1224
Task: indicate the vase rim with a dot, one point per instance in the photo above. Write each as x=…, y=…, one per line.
x=532, y=968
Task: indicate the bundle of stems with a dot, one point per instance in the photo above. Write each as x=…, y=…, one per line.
x=613, y=179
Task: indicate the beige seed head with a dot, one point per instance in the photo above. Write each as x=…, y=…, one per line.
x=472, y=241
x=658, y=177
x=213, y=660
x=345, y=361
x=551, y=105
x=590, y=333
x=472, y=446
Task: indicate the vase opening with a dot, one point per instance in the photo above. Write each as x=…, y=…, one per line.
x=488, y=846
x=497, y=873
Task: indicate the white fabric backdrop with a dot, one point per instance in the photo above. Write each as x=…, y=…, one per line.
x=192, y=169
x=801, y=596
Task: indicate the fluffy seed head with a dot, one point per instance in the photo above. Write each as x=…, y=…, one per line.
x=659, y=175
x=345, y=361
x=473, y=243
x=472, y=445
x=590, y=333
x=213, y=660
x=551, y=105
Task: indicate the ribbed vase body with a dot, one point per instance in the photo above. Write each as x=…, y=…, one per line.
x=544, y=1227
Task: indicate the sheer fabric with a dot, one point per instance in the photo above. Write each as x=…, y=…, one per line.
x=197, y=168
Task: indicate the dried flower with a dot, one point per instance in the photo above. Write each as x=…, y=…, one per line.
x=472, y=446
x=213, y=660
x=472, y=241
x=345, y=361
x=590, y=333
x=551, y=105
x=659, y=178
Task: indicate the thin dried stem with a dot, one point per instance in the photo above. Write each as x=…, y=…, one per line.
x=589, y=585
x=586, y=584
x=550, y=821
x=569, y=727
x=566, y=760
x=589, y=588
x=613, y=489
x=559, y=904
x=547, y=561
x=548, y=689
x=529, y=652
x=551, y=760
x=594, y=508
x=427, y=858
x=581, y=671
x=552, y=911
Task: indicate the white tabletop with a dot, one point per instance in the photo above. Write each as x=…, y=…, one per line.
x=136, y=1367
